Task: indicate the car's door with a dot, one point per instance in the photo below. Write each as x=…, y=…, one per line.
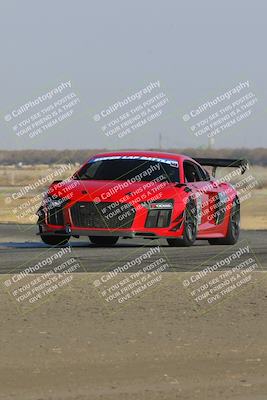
x=204, y=189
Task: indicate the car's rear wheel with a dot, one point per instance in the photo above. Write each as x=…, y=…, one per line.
x=53, y=240
x=104, y=240
x=233, y=229
x=190, y=227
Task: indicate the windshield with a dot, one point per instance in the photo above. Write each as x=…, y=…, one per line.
x=136, y=169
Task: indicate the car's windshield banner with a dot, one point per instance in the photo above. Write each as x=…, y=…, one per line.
x=172, y=163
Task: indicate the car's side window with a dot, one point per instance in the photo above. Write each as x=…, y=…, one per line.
x=191, y=172
x=194, y=173
x=204, y=174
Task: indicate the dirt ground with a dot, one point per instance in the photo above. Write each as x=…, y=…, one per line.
x=158, y=347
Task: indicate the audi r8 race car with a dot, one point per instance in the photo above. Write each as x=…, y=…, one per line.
x=143, y=194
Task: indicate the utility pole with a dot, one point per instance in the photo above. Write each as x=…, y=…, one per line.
x=211, y=142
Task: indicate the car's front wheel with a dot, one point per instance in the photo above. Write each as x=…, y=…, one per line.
x=53, y=240
x=190, y=227
x=104, y=240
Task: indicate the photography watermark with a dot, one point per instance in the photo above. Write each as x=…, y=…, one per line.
x=221, y=112
x=128, y=204
x=42, y=279
x=214, y=200
x=40, y=114
x=127, y=280
x=23, y=203
x=223, y=276
x=118, y=202
x=133, y=112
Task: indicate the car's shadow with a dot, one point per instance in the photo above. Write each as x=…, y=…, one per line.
x=86, y=245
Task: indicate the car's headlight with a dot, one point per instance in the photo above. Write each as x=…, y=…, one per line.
x=51, y=202
x=55, y=203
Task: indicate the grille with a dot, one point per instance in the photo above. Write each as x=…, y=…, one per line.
x=102, y=215
x=55, y=216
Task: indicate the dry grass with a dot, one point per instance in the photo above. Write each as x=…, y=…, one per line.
x=13, y=181
x=254, y=211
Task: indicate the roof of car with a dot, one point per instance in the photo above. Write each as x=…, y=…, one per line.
x=154, y=154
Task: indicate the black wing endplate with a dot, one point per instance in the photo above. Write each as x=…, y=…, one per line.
x=223, y=162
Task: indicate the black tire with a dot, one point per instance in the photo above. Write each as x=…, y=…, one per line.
x=53, y=240
x=233, y=229
x=104, y=240
x=190, y=227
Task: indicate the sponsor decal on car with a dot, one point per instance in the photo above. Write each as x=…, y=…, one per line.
x=172, y=163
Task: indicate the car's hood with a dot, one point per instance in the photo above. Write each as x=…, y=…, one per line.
x=111, y=191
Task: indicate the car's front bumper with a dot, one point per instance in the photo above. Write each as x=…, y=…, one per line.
x=140, y=226
x=67, y=231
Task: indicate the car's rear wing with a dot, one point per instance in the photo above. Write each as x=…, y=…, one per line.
x=223, y=162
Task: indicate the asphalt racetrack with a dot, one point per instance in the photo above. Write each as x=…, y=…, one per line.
x=19, y=245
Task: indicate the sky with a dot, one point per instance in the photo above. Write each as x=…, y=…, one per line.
x=178, y=55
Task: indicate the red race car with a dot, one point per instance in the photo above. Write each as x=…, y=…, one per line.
x=143, y=194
